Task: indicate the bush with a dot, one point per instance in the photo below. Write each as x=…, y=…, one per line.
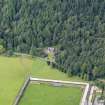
x=2, y=49
x=9, y=53
x=48, y=62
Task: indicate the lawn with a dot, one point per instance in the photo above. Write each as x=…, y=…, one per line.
x=12, y=75
x=44, y=94
x=14, y=70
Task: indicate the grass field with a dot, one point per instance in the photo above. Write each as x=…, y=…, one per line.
x=14, y=70
x=42, y=94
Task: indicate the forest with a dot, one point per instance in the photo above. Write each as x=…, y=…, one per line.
x=76, y=28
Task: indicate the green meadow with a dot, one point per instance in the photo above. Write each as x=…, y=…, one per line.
x=44, y=94
x=14, y=71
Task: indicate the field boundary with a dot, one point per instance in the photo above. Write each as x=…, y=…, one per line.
x=21, y=91
x=84, y=100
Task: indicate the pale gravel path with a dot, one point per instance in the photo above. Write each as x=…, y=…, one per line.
x=85, y=95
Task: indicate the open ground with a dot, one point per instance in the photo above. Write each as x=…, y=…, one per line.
x=44, y=94
x=14, y=70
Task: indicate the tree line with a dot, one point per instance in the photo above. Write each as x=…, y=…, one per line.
x=75, y=27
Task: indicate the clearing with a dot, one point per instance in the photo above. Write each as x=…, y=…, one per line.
x=14, y=71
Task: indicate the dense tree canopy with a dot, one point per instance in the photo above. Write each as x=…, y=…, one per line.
x=75, y=27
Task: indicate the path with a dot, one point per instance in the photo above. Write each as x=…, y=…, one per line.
x=83, y=101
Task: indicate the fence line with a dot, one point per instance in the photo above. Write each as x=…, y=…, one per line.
x=21, y=92
x=84, y=100
x=29, y=79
